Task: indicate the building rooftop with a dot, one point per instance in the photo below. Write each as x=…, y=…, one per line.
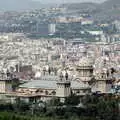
x=52, y=84
x=85, y=61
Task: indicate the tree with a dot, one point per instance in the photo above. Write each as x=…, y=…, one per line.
x=55, y=102
x=15, y=83
x=108, y=109
x=21, y=106
x=72, y=100
x=103, y=106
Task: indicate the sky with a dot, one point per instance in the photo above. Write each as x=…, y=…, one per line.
x=64, y=1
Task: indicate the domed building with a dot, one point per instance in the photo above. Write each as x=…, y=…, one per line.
x=103, y=75
x=49, y=86
x=85, y=69
x=85, y=61
x=102, y=82
x=62, y=84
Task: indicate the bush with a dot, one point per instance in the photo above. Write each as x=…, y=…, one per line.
x=72, y=100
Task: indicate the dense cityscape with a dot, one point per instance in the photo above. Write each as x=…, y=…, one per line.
x=61, y=62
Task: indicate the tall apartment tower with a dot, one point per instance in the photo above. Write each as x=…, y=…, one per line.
x=51, y=29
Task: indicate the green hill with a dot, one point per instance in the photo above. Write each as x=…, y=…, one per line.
x=108, y=10
x=111, y=4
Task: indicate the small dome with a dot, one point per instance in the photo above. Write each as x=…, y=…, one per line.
x=85, y=61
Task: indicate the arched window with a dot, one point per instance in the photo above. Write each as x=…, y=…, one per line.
x=46, y=92
x=41, y=91
x=78, y=91
x=53, y=93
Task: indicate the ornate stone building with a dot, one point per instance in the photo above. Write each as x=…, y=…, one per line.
x=85, y=70
x=51, y=85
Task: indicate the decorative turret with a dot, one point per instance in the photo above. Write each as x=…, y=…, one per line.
x=85, y=69
x=103, y=82
x=63, y=86
x=5, y=82
x=66, y=76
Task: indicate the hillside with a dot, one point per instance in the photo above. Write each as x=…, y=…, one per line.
x=108, y=10
x=81, y=6
x=111, y=4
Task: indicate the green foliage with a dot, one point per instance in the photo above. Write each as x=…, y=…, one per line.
x=6, y=107
x=15, y=83
x=105, y=107
x=55, y=102
x=21, y=106
x=72, y=100
x=96, y=107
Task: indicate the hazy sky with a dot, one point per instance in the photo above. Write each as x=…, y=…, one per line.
x=63, y=1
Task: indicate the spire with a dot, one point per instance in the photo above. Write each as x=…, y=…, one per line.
x=66, y=76
x=49, y=70
x=8, y=73
x=61, y=76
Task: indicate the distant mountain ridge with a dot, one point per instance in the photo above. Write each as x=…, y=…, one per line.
x=106, y=4
x=107, y=10
x=110, y=9
x=81, y=6
x=111, y=3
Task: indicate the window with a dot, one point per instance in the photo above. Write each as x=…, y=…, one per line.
x=53, y=93
x=78, y=91
x=46, y=92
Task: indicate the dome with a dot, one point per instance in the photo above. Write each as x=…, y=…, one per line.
x=85, y=61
